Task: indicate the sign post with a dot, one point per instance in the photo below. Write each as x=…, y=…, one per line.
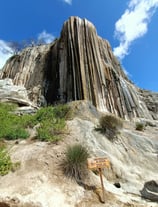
x=102, y=185
x=99, y=163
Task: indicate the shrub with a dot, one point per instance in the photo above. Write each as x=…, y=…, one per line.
x=6, y=164
x=5, y=161
x=74, y=164
x=11, y=124
x=52, y=122
x=15, y=133
x=140, y=126
x=49, y=131
x=110, y=125
x=45, y=113
x=49, y=113
x=62, y=111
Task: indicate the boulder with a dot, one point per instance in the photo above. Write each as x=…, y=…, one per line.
x=150, y=190
x=14, y=94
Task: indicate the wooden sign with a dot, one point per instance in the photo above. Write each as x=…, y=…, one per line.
x=99, y=162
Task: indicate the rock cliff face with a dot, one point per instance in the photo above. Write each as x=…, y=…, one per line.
x=78, y=66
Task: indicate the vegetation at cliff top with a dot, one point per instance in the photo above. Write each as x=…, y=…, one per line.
x=51, y=122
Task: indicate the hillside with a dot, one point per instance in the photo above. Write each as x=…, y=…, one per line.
x=40, y=180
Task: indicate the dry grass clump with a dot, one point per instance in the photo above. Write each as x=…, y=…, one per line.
x=75, y=163
x=110, y=125
x=139, y=126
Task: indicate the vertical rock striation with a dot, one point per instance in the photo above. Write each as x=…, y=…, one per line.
x=78, y=66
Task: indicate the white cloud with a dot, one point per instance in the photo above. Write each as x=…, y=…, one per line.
x=7, y=48
x=5, y=52
x=133, y=24
x=68, y=1
x=45, y=37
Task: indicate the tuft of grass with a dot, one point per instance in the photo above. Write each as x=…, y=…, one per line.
x=139, y=126
x=5, y=161
x=110, y=125
x=74, y=164
x=6, y=164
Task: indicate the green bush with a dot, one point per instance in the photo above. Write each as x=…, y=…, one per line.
x=45, y=113
x=139, y=126
x=11, y=125
x=52, y=122
x=15, y=133
x=62, y=111
x=5, y=161
x=74, y=164
x=6, y=164
x=110, y=125
x=49, y=131
x=50, y=113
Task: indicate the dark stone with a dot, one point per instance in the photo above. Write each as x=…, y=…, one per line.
x=150, y=191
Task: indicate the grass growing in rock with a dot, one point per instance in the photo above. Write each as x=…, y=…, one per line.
x=5, y=161
x=110, y=125
x=6, y=165
x=140, y=126
x=74, y=164
x=51, y=120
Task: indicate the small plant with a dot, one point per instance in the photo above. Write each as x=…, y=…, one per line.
x=74, y=164
x=140, y=126
x=5, y=161
x=110, y=125
x=6, y=164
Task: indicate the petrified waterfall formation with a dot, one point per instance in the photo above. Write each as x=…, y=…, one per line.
x=78, y=66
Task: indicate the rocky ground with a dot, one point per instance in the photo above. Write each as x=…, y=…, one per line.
x=39, y=181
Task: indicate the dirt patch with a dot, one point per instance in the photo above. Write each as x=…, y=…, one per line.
x=2, y=204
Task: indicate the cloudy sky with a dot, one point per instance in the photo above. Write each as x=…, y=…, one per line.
x=129, y=25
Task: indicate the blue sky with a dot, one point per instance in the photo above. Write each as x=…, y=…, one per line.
x=129, y=25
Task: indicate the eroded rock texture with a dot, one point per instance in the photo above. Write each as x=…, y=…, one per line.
x=151, y=101
x=79, y=65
